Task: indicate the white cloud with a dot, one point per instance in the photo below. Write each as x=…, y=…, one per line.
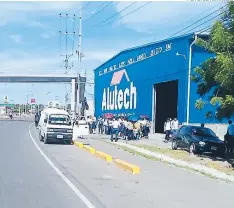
x=17, y=38
x=46, y=35
x=17, y=12
x=17, y=61
x=157, y=15
x=99, y=55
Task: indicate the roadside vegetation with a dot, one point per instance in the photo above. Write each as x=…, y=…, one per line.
x=215, y=77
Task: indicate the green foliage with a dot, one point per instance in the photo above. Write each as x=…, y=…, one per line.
x=216, y=75
x=200, y=104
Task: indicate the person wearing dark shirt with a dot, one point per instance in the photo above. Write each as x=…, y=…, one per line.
x=37, y=118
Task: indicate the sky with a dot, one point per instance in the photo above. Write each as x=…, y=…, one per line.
x=30, y=41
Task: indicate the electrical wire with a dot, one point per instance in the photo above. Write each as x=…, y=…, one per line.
x=94, y=11
x=85, y=5
x=202, y=13
x=205, y=22
x=101, y=10
x=198, y=21
x=97, y=25
x=128, y=13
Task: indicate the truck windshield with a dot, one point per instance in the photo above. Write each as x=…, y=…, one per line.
x=59, y=119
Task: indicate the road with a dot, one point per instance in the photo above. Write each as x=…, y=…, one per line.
x=35, y=175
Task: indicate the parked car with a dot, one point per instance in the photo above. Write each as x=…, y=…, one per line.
x=198, y=140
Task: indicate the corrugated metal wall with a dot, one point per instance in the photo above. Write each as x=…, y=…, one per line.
x=163, y=66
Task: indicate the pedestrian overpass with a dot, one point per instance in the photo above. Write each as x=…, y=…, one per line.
x=77, y=83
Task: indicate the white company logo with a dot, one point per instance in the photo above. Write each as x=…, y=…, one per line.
x=116, y=99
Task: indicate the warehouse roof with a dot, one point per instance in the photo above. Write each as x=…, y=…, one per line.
x=148, y=44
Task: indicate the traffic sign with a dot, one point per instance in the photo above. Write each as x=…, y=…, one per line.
x=33, y=100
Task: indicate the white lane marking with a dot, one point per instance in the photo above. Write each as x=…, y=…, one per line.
x=68, y=182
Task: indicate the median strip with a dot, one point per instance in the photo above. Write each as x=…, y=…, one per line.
x=104, y=156
x=127, y=166
x=122, y=164
x=90, y=149
x=79, y=144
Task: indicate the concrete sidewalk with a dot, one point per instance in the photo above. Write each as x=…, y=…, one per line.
x=153, y=140
x=192, y=162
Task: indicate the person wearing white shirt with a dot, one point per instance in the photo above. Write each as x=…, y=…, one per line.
x=125, y=129
x=167, y=129
x=174, y=126
x=115, y=129
x=89, y=120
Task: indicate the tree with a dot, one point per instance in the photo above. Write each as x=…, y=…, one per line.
x=216, y=75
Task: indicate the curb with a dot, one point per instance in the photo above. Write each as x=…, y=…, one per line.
x=90, y=149
x=79, y=144
x=104, y=156
x=122, y=164
x=200, y=168
x=127, y=166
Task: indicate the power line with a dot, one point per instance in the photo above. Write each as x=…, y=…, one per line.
x=85, y=5
x=197, y=15
x=206, y=21
x=128, y=13
x=100, y=6
x=114, y=14
x=108, y=3
x=197, y=21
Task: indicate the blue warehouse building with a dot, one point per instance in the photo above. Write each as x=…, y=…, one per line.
x=152, y=80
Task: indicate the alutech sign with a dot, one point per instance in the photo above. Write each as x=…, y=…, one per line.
x=115, y=98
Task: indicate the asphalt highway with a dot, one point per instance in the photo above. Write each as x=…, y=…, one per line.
x=38, y=175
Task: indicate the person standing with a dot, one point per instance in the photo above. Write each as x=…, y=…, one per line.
x=229, y=137
x=167, y=129
x=36, y=119
x=90, y=121
x=136, y=130
x=147, y=129
x=125, y=129
x=130, y=130
x=115, y=129
x=94, y=126
x=100, y=125
x=105, y=124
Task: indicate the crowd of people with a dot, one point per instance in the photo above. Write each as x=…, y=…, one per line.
x=127, y=129
x=120, y=127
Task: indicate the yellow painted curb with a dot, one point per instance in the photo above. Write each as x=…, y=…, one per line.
x=90, y=149
x=79, y=144
x=127, y=166
x=104, y=156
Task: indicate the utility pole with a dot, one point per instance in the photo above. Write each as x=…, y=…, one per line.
x=67, y=56
x=79, y=61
